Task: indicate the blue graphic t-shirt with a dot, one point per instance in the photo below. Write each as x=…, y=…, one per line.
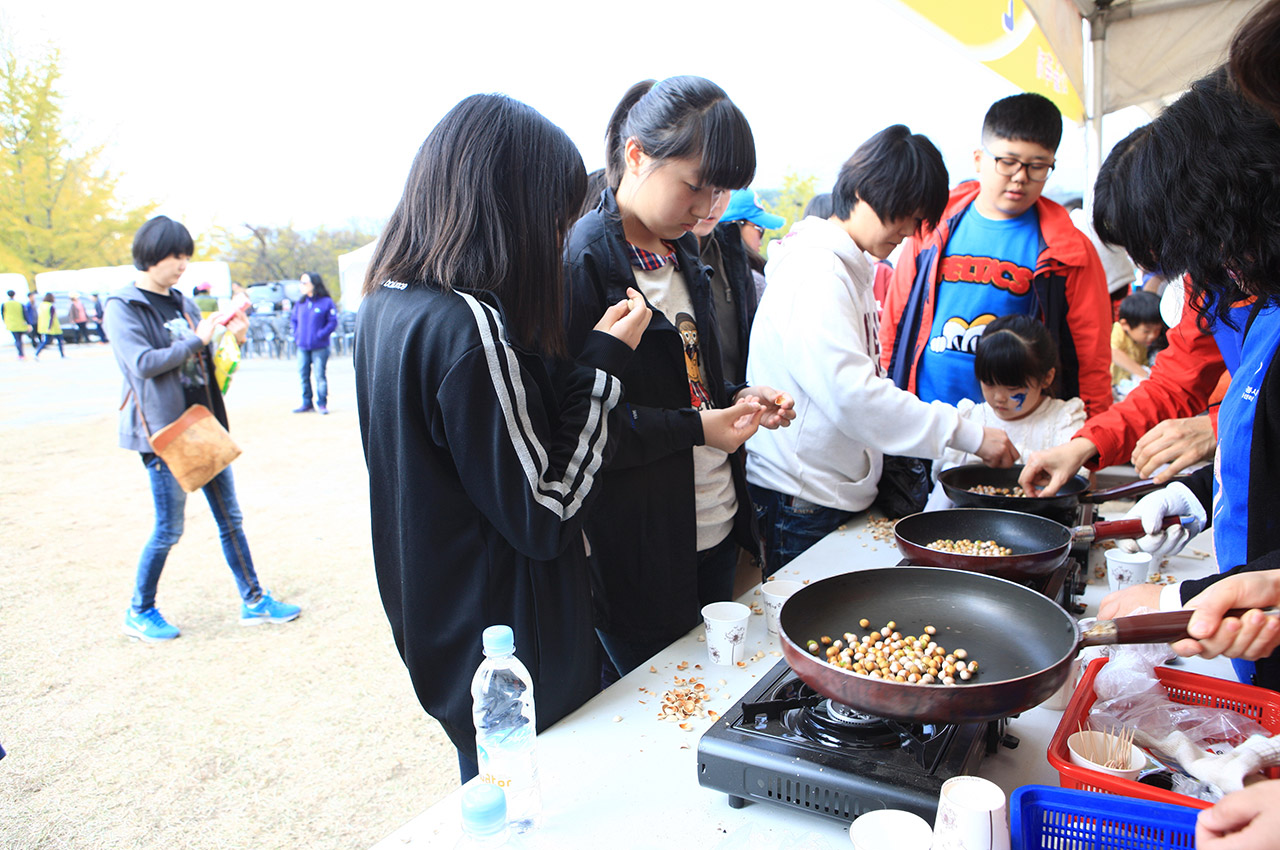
x=986, y=273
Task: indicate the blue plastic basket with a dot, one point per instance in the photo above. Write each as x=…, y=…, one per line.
x=1042, y=816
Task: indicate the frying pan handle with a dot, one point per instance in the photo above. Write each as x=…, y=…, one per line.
x=1140, y=487
x=1122, y=528
x=1165, y=627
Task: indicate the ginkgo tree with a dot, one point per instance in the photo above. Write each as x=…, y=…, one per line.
x=58, y=205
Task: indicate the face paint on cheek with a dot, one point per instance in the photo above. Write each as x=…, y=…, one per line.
x=1018, y=399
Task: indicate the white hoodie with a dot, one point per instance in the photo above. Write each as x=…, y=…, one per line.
x=816, y=336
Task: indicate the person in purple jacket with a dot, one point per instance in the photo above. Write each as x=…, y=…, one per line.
x=314, y=319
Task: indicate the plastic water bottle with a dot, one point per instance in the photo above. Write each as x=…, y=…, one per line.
x=484, y=818
x=502, y=708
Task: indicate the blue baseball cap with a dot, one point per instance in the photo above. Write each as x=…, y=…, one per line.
x=744, y=205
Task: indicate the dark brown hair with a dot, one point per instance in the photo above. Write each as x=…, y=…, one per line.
x=489, y=197
x=1255, y=57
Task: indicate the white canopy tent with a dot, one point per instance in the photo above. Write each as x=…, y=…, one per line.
x=351, y=269
x=1140, y=52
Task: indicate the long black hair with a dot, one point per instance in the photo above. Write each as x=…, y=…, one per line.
x=1198, y=190
x=678, y=118
x=318, y=289
x=489, y=197
x=1015, y=351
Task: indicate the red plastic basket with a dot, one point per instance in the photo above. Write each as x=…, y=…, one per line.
x=1258, y=704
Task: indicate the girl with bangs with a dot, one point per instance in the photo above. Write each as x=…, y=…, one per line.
x=674, y=510
x=481, y=467
x=1015, y=362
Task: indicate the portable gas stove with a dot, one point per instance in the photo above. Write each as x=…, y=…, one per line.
x=784, y=743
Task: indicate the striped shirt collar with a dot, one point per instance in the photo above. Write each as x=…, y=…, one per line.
x=649, y=261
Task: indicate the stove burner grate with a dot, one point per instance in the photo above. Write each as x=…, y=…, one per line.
x=764, y=749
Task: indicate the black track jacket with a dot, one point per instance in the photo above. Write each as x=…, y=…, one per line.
x=480, y=476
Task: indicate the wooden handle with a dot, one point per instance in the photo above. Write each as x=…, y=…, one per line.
x=1122, y=528
x=1164, y=627
x=1125, y=491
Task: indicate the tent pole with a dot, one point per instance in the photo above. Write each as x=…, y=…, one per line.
x=1094, y=77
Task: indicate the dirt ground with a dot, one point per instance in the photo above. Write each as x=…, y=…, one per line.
x=300, y=735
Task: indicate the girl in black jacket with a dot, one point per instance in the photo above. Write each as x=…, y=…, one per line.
x=480, y=469
x=666, y=532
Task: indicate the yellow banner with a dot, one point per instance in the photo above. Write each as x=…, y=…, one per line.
x=1003, y=35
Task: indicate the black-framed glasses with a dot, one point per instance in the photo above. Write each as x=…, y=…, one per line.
x=758, y=229
x=1007, y=166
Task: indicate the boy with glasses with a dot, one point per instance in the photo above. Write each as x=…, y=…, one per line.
x=1000, y=248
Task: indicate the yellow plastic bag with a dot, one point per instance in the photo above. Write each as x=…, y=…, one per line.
x=226, y=359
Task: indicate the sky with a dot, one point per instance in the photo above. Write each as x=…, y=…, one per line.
x=276, y=113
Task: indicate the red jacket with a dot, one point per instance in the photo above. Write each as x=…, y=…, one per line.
x=1069, y=285
x=1181, y=383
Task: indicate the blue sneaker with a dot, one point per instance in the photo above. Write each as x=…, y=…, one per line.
x=150, y=626
x=267, y=610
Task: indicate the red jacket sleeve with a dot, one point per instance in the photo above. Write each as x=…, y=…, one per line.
x=895, y=299
x=1089, y=319
x=1181, y=382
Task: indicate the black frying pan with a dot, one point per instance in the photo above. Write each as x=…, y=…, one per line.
x=959, y=479
x=1040, y=545
x=1024, y=642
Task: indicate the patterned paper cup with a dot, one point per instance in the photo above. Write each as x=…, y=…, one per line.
x=726, y=624
x=775, y=593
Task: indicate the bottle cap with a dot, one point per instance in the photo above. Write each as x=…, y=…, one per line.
x=484, y=810
x=498, y=640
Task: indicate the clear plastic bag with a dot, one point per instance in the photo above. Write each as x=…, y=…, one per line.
x=1129, y=695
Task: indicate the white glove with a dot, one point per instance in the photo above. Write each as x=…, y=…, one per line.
x=1174, y=500
x=1227, y=771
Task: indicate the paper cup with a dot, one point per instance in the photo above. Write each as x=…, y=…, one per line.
x=890, y=828
x=726, y=624
x=972, y=815
x=1084, y=746
x=1125, y=569
x=775, y=593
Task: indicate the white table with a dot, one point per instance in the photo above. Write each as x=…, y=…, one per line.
x=613, y=775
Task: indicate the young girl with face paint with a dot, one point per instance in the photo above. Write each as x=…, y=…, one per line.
x=1015, y=363
x=674, y=509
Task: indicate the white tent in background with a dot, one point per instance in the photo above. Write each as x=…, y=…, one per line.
x=351, y=269
x=16, y=282
x=1140, y=52
x=103, y=279
x=1103, y=55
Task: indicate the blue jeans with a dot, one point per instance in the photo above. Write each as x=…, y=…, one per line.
x=716, y=570
x=320, y=357
x=789, y=525
x=17, y=341
x=48, y=338
x=171, y=503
